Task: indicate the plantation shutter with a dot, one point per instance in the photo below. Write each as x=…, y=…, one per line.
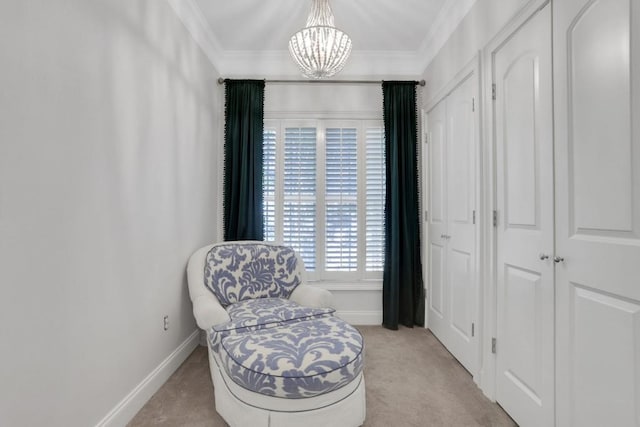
x=269, y=184
x=324, y=194
x=375, y=196
x=341, y=199
x=299, y=216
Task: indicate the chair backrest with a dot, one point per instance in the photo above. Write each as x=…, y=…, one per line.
x=236, y=271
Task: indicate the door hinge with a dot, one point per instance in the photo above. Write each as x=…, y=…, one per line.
x=473, y=329
x=474, y=217
x=426, y=215
x=493, y=345
x=495, y=218
x=493, y=91
x=473, y=104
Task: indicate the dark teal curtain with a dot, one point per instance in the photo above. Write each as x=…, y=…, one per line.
x=403, y=290
x=244, y=125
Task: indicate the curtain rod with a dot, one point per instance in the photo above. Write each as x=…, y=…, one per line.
x=421, y=82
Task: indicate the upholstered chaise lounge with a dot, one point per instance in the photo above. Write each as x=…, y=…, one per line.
x=278, y=355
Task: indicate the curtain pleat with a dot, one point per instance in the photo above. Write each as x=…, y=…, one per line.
x=403, y=289
x=243, y=152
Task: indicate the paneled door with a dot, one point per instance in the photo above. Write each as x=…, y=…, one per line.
x=523, y=137
x=597, y=104
x=437, y=219
x=452, y=163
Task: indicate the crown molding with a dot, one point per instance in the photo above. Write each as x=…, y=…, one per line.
x=384, y=64
x=193, y=19
x=450, y=16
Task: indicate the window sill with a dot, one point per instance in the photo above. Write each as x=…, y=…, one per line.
x=355, y=285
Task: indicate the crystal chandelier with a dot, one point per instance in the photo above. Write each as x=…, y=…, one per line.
x=320, y=49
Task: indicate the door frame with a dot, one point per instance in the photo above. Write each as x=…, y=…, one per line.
x=489, y=196
x=424, y=203
x=472, y=70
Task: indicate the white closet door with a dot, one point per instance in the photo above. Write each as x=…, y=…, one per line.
x=524, y=194
x=597, y=104
x=452, y=154
x=437, y=155
x=461, y=295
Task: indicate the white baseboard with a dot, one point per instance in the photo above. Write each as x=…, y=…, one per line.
x=128, y=407
x=361, y=317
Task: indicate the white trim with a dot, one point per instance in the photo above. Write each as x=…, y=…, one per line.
x=372, y=115
x=193, y=19
x=128, y=407
x=363, y=285
x=481, y=214
x=319, y=274
x=277, y=63
x=463, y=74
x=450, y=16
x=361, y=317
x=424, y=207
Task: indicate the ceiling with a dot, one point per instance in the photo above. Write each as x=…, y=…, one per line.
x=390, y=37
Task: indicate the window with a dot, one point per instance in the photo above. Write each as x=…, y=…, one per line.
x=324, y=185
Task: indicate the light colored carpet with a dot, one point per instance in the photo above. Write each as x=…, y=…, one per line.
x=411, y=380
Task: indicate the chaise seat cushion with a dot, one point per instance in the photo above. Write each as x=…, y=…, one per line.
x=263, y=313
x=296, y=359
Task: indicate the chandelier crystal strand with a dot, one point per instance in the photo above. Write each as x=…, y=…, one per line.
x=320, y=14
x=320, y=49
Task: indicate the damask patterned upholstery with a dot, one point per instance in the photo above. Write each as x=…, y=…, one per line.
x=236, y=272
x=263, y=313
x=272, y=345
x=294, y=360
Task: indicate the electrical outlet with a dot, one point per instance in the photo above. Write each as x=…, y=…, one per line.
x=166, y=323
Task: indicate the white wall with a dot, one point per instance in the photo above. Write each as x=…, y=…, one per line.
x=338, y=100
x=481, y=24
x=109, y=124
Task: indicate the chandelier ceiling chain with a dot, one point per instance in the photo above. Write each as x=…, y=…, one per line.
x=320, y=49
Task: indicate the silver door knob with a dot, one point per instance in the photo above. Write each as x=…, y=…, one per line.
x=558, y=259
x=543, y=256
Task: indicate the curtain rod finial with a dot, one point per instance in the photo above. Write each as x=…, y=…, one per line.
x=220, y=80
x=422, y=83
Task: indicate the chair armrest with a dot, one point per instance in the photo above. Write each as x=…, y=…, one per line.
x=310, y=296
x=208, y=312
x=206, y=308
